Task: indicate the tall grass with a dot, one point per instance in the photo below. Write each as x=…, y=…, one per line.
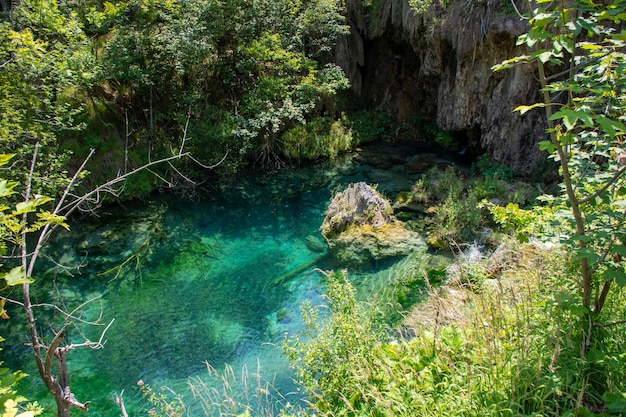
x=244, y=393
x=501, y=339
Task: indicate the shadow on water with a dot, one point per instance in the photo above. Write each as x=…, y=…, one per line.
x=218, y=280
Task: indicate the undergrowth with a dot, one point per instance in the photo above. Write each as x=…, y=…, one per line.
x=508, y=346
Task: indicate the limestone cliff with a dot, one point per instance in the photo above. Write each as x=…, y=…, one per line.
x=437, y=66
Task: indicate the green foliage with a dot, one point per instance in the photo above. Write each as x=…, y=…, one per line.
x=455, y=206
x=586, y=131
x=496, y=182
x=10, y=399
x=328, y=355
x=487, y=168
x=320, y=137
x=369, y=125
x=443, y=138
x=510, y=349
x=165, y=403
x=256, y=61
x=138, y=73
x=14, y=225
x=453, y=213
x=15, y=222
x=410, y=281
x=536, y=221
x=420, y=6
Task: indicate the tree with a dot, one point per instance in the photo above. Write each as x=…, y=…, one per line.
x=44, y=61
x=29, y=218
x=245, y=71
x=578, y=48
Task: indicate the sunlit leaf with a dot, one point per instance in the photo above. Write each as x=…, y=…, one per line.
x=621, y=36
x=17, y=276
x=570, y=118
x=5, y=158
x=6, y=188
x=525, y=109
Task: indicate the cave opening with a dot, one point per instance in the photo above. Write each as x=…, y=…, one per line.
x=392, y=80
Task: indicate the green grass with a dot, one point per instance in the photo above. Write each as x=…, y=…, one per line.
x=501, y=339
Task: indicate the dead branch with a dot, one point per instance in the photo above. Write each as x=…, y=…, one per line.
x=68, y=202
x=120, y=403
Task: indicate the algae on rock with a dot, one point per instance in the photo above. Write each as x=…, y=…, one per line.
x=359, y=227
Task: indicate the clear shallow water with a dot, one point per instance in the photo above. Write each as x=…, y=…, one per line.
x=214, y=281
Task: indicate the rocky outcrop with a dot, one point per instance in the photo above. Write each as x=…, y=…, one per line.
x=437, y=66
x=359, y=228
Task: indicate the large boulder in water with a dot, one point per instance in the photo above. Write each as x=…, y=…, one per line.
x=360, y=227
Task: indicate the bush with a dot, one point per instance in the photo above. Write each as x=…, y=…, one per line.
x=369, y=125
x=331, y=355
x=510, y=349
x=454, y=214
x=321, y=137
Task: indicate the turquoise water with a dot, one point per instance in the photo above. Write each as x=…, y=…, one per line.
x=192, y=285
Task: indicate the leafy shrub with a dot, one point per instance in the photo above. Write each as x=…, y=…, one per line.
x=369, y=125
x=442, y=138
x=333, y=350
x=511, y=349
x=321, y=137
x=454, y=214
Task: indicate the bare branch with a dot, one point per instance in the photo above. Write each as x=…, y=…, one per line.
x=604, y=187
x=25, y=216
x=181, y=174
x=45, y=232
x=70, y=207
x=169, y=183
x=56, y=341
x=615, y=323
x=8, y=61
x=70, y=315
x=11, y=301
x=120, y=403
x=65, y=268
x=208, y=166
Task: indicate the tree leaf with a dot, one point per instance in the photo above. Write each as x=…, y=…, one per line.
x=616, y=274
x=3, y=312
x=611, y=127
x=17, y=276
x=546, y=145
x=570, y=117
x=6, y=188
x=5, y=158
x=523, y=109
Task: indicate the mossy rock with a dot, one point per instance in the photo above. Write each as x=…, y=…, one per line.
x=361, y=244
x=359, y=228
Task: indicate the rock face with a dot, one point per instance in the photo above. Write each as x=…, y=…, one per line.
x=359, y=228
x=437, y=66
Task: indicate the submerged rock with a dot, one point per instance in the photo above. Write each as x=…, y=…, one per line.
x=359, y=227
x=315, y=244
